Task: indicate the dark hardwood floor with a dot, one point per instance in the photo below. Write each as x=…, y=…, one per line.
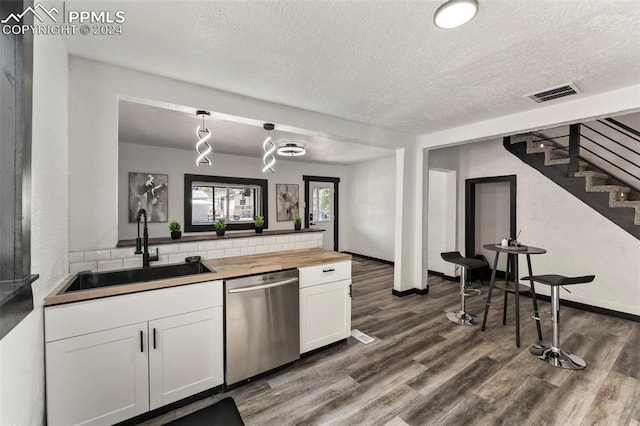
x=424, y=370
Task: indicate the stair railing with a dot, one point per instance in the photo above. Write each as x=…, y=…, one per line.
x=625, y=164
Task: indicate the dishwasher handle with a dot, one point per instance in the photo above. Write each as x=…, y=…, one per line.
x=263, y=286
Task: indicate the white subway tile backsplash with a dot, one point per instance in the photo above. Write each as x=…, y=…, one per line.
x=91, y=255
x=247, y=250
x=283, y=239
x=215, y=254
x=132, y=262
x=232, y=252
x=76, y=257
x=262, y=249
x=122, y=253
x=241, y=242
x=207, y=245
x=188, y=247
x=257, y=241
x=176, y=258
x=289, y=246
x=162, y=261
x=311, y=244
x=224, y=244
x=109, y=265
x=83, y=266
x=317, y=235
x=319, y=243
x=301, y=245
x=170, y=248
x=196, y=253
x=275, y=247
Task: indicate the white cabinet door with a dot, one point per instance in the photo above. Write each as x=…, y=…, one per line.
x=98, y=378
x=185, y=357
x=325, y=314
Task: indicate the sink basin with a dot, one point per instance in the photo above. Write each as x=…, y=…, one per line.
x=91, y=280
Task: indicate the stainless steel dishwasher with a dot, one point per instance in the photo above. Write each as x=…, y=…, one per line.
x=262, y=318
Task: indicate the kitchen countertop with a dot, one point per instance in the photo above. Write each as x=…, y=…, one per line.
x=228, y=267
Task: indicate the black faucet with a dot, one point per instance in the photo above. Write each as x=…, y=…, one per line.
x=139, y=241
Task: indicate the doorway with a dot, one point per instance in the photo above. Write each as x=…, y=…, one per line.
x=321, y=202
x=441, y=220
x=490, y=214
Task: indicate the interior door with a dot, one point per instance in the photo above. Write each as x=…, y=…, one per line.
x=322, y=211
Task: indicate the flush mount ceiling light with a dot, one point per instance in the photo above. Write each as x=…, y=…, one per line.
x=202, y=146
x=269, y=148
x=454, y=13
x=291, y=149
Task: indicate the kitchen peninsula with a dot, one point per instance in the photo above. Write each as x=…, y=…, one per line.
x=159, y=342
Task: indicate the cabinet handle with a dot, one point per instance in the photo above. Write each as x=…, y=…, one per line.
x=351, y=291
x=329, y=270
x=141, y=344
x=154, y=338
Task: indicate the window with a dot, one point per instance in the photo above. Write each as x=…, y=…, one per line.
x=321, y=204
x=235, y=200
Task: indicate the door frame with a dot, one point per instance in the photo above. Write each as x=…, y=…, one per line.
x=336, y=182
x=470, y=209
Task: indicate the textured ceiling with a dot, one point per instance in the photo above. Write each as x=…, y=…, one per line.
x=379, y=62
x=150, y=125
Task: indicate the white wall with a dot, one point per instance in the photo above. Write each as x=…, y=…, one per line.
x=93, y=136
x=578, y=240
x=369, y=208
x=22, y=350
x=177, y=162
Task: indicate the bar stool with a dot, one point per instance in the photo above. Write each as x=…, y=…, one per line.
x=462, y=317
x=554, y=355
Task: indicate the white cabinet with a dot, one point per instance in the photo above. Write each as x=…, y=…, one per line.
x=185, y=355
x=98, y=378
x=110, y=359
x=325, y=305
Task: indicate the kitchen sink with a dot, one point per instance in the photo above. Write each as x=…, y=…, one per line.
x=91, y=280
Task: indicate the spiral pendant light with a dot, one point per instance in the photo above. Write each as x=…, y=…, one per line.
x=202, y=146
x=269, y=148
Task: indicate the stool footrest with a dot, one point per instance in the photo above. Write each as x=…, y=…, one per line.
x=557, y=357
x=470, y=292
x=462, y=318
x=537, y=315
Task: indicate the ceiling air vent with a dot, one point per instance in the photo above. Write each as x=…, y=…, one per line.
x=555, y=93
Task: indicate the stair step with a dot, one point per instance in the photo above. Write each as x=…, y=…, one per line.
x=521, y=138
x=592, y=174
x=556, y=161
x=631, y=204
x=609, y=188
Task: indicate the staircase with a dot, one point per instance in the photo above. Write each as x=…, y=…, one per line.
x=592, y=165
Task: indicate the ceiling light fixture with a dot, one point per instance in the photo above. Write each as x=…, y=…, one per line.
x=269, y=148
x=202, y=146
x=291, y=149
x=454, y=13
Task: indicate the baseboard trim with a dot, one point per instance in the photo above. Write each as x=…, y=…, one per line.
x=388, y=262
x=418, y=291
x=590, y=308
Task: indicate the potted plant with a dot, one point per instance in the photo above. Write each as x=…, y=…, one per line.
x=259, y=224
x=297, y=223
x=221, y=226
x=174, y=227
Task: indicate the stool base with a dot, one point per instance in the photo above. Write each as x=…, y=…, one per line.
x=559, y=359
x=462, y=318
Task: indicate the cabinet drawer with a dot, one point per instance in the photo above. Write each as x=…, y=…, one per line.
x=320, y=274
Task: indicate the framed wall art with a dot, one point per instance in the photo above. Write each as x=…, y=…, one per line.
x=287, y=204
x=149, y=191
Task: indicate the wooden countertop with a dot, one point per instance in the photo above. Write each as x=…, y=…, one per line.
x=228, y=267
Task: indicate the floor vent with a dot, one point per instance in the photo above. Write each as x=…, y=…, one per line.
x=555, y=93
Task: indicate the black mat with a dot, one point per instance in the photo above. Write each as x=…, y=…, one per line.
x=223, y=412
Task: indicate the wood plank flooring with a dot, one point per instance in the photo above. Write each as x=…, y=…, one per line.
x=424, y=370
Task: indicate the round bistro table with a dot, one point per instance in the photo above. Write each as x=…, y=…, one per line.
x=512, y=258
